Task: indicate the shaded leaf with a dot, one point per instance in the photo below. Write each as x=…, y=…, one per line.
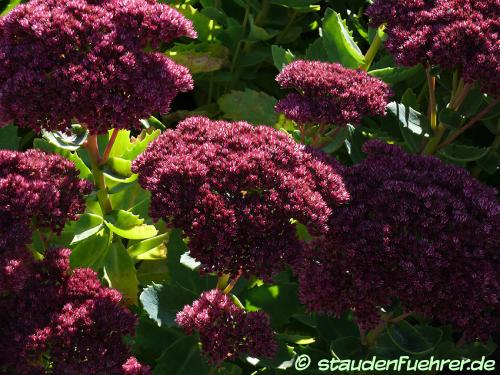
x=338, y=41
x=163, y=301
x=119, y=271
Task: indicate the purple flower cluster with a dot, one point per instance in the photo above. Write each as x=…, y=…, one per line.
x=330, y=94
x=453, y=34
x=88, y=61
x=416, y=230
x=65, y=321
x=39, y=189
x=227, y=331
x=234, y=189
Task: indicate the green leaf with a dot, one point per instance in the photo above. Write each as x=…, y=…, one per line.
x=183, y=357
x=227, y=369
x=255, y=107
x=272, y=298
x=450, y=118
x=152, y=271
x=330, y=328
x=121, y=166
x=150, y=340
x=85, y=172
x=490, y=163
x=347, y=347
x=407, y=338
x=338, y=41
x=120, y=272
x=317, y=51
x=181, y=275
x=297, y=339
x=8, y=138
x=91, y=252
x=410, y=122
x=204, y=26
x=145, y=246
x=200, y=57
x=299, y=5
x=86, y=226
x=393, y=75
x=337, y=142
x=127, y=225
x=409, y=99
x=258, y=33
x=281, y=56
x=121, y=144
x=10, y=5
x=462, y=153
x=163, y=301
x=71, y=141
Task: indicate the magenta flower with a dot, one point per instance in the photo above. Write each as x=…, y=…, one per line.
x=330, y=94
x=40, y=187
x=234, y=189
x=70, y=318
x=416, y=230
x=227, y=331
x=452, y=34
x=88, y=61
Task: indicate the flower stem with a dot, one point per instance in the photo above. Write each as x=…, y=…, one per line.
x=431, y=111
x=455, y=103
x=231, y=285
x=109, y=146
x=96, y=162
x=222, y=281
x=372, y=51
x=467, y=126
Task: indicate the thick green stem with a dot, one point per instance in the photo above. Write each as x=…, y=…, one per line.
x=372, y=51
x=96, y=162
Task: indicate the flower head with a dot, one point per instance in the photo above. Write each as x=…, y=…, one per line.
x=330, y=94
x=417, y=231
x=38, y=186
x=69, y=318
x=87, y=61
x=227, y=331
x=235, y=188
x=450, y=33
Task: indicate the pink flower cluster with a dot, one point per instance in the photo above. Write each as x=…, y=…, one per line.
x=416, y=231
x=460, y=34
x=39, y=189
x=65, y=323
x=227, y=331
x=88, y=61
x=234, y=189
x=330, y=94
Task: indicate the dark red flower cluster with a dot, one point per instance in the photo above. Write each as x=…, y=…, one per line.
x=416, y=230
x=330, y=94
x=227, y=331
x=65, y=323
x=453, y=34
x=87, y=61
x=234, y=189
x=35, y=188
